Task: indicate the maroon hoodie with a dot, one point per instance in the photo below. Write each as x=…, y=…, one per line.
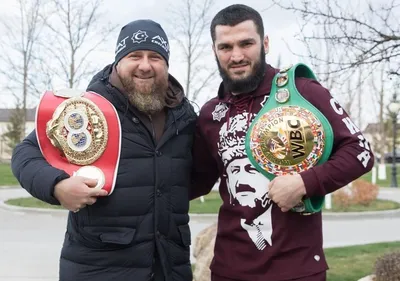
x=255, y=240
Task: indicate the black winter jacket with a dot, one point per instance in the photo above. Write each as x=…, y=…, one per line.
x=145, y=219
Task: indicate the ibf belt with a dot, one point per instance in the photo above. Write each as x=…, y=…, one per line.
x=289, y=135
x=80, y=133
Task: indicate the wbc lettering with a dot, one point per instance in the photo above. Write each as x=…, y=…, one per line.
x=296, y=139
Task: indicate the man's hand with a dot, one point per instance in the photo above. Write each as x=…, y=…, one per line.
x=287, y=191
x=76, y=192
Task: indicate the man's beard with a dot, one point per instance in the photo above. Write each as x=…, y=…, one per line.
x=150, y=99
x=247, y=84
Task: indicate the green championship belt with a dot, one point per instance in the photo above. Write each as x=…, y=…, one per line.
x=289, y=135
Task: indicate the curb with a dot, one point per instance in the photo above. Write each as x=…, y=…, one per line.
x=9, y=187
x=358, y=215
x=9, y=207
x=214, y=217
x=203, y=217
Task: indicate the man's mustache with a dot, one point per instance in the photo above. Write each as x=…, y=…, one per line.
x=241, y=63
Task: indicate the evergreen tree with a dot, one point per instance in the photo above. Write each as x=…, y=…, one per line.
x=15, y=128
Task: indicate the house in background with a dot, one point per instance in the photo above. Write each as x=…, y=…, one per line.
x=5, y=114
x=372, y=134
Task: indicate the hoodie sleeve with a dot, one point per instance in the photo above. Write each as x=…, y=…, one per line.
x=33, y=172
x=205, y=168
x=351, y=155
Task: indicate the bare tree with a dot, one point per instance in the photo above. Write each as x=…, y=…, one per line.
x=338, y=40
x=319, y=54
x=18, y=52
x=77, y=29
x=368, y=36
x=191, y=21
x=379, y=96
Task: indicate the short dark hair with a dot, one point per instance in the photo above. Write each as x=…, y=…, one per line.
x=235, y=14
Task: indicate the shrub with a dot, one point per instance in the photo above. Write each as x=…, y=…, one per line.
x=342, y=197
x=364, y=192
x=358, y=192
x=387, y=267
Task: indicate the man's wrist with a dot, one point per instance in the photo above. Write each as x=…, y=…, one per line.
x=56, y=182
x=302, y=188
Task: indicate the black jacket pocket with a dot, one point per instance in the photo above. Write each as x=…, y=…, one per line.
x=184, y=230
x=104, y=237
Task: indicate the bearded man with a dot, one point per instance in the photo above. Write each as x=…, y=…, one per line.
x=140, y=231
x=261, y=235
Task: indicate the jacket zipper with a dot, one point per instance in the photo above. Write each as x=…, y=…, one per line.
x=153, y=132
x=155, y=214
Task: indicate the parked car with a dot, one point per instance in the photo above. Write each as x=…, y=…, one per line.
x=389, y=157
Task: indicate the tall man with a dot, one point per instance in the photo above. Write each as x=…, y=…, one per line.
x=259, y=235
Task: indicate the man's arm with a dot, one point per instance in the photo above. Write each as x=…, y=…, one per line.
x=205, y=169
x=351, y=155
x=33, y=172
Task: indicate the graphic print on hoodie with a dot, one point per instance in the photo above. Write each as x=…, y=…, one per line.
x=248, y=188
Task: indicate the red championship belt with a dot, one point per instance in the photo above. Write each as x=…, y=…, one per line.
x=80, y=133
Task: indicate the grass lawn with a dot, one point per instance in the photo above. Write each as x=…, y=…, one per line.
x=31, y=202
x=6, y=176
x=212, y=203
x=377, y=205
x=210, y=206
x=355, y=262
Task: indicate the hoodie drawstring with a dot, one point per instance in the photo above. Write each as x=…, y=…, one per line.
x=250, y=112
x=241, y=104
x=228, y=115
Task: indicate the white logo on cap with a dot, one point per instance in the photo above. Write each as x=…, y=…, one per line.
x=121, y=45
x=161, y=42
x=139, y=36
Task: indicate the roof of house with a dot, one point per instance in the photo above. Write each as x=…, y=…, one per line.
x=5, y=114
x=372, y=128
